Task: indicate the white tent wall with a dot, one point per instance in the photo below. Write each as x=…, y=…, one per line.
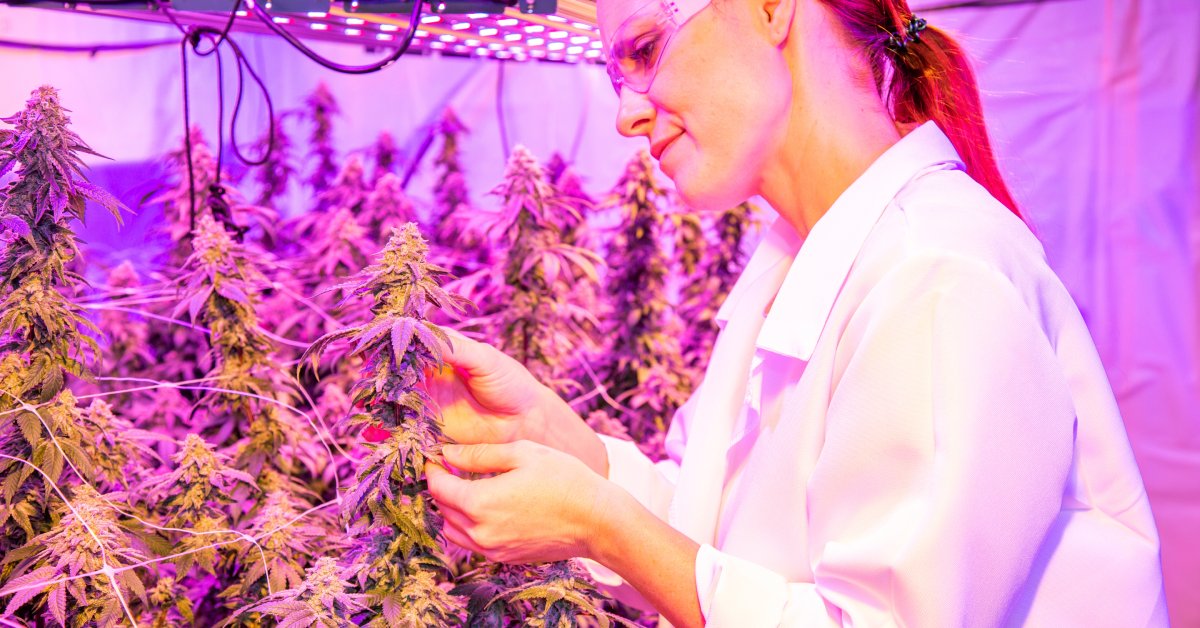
x=1094, y=107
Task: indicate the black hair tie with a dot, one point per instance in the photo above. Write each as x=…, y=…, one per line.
x=911, y=32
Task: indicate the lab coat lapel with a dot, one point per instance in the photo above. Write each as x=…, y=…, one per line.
x=699, y=490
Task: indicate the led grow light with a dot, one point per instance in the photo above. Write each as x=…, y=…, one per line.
x=503, y=32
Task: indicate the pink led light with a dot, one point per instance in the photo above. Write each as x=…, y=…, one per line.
x=502, y=55
x=437, y=45
x=461, y=26
x=512, y=37
x=317, y=26
x=354, y=21
x=477, y=16
x=282, y=20
x=460, y=49
x=317, y=14
x=575, y=50
x=516, y=50
x=592, y=54
x=508, y=21
x=384, y=37
x=431, y=19
x=481, y=52
x=537, y=28
x=536, y=41
x=582, y=39
x=558, y=45
x=241, y=13
x=472, y=42
x=448, y=38
x=495, y=46
x=596, y=44
x=539, y=54
x=555, y=18
x=581, y=26
x=389, y=28
x=421, y=33
x=559, y=35
x=353, y=32
x=488, y=32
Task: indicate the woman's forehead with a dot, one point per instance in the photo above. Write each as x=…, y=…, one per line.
x=611, y=13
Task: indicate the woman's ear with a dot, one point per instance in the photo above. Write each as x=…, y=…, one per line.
x=778, y=18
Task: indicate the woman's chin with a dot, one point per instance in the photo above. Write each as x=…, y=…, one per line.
x=707, y=193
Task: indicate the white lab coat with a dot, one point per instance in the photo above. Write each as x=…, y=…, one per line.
x=905, y=423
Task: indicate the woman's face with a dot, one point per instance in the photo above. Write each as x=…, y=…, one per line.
x=717, y=109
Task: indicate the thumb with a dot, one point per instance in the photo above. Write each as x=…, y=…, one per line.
x=470, y=357
x=484, y=458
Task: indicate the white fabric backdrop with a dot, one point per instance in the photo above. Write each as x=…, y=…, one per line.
x=1094, y=105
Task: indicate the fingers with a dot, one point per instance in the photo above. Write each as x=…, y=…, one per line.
x=484, y=458
x=446, y=488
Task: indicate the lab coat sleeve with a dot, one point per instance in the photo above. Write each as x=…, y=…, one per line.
x=651, y=483
x=948, y=442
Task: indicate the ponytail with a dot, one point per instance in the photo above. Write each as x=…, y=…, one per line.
x=925, y=75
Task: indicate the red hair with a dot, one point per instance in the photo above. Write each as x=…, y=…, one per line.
x=925, y=78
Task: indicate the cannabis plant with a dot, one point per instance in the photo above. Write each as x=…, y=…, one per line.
x=219, y=291
x=44, y=337
x=642, y=366
x=534, y=316
x=78, y=571
x=706, y=283
x=278, y=170
x=386, y=154
x=387, y=206
x=451, y=200
x=321, y=599
x=322, y=109
x=399, y=558
x=37, y=319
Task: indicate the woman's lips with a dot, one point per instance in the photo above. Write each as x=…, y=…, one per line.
x=657, y=149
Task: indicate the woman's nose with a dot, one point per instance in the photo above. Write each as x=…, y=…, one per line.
x=635, y=114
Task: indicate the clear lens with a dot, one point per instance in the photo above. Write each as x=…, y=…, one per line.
x=637, y=46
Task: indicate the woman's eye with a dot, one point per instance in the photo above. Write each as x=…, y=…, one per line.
x=643, y=49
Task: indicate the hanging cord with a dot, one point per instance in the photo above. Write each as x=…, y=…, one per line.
x=192, y=37
x=414, y=20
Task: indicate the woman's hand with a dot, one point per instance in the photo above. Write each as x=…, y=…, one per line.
x=486, y=397
x=543, y=504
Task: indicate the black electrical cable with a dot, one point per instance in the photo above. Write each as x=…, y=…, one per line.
x=414, y=20
x=193, y=37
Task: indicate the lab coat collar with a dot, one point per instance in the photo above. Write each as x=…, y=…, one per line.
x=779, y=244
x=823, y=261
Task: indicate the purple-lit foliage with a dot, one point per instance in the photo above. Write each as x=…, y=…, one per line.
x=642, y=366
x=709, y=280
x=322, y=108
x=274, y=175
x=224, y=484
x=399, y=572
x=386, y=155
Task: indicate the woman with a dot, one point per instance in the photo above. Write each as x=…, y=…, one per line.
x=904, y=420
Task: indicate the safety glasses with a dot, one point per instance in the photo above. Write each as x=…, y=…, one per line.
x=640, y=41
